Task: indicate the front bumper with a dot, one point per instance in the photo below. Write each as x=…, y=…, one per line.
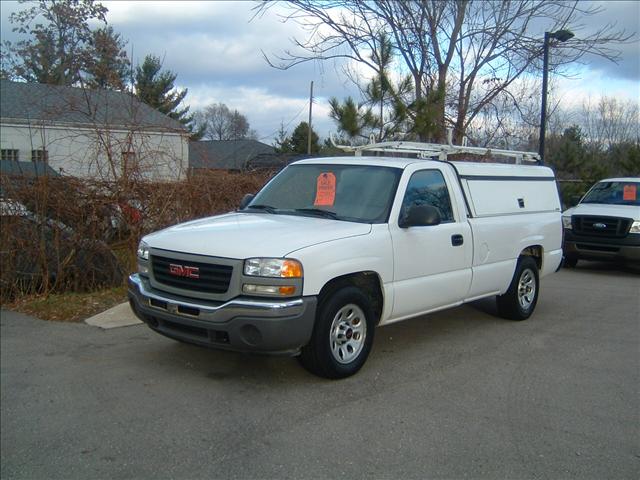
x=602, y=248
x=279, y=326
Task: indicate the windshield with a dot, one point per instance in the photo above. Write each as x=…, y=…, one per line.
x=614, y=193
x=356, y=193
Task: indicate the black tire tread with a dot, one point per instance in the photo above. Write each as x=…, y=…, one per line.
x=508, y=306
x=315, y=356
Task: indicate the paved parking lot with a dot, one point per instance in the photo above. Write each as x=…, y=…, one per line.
x=458, y=394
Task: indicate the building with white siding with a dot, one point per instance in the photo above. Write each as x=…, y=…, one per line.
x=100, y=134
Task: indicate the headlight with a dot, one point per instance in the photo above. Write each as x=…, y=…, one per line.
x=273, y=267
x=566, y=222
x=143, y=251
x=635, y=227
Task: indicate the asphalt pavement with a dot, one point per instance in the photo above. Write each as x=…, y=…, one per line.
x=457, y=394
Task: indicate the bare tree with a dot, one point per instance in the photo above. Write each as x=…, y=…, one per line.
x=463, y=55
x=220, y=123
x=610, y=122
x=107, y=64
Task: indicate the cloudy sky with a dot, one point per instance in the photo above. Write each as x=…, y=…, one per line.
x=215, y=48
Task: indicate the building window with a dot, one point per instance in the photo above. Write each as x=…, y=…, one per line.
x=10, y=155
x=39, y=155
x=128, y=162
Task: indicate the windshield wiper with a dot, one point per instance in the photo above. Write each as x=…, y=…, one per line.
x=266, y=208
x=317, y=211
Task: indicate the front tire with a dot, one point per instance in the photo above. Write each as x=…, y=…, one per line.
x=519, y=301
x=342, y=335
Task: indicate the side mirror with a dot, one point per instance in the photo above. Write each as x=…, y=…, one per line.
x=421, y=216
x=246, y=200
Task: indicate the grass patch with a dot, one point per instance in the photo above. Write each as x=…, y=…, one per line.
x=69, y=307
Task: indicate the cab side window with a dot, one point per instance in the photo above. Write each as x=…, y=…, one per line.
x=427, y=187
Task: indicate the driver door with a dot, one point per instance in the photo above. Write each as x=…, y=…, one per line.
x=432, y=264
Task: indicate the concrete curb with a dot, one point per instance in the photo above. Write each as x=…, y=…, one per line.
x=118, y=316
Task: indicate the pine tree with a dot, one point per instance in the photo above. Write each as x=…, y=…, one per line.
x=282, y=142
x=156, y=88
x=299, y=139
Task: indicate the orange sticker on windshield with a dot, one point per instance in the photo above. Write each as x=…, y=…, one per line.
x=629, y=193
x=325, y=190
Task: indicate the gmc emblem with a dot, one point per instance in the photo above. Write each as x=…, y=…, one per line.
x=184, y=271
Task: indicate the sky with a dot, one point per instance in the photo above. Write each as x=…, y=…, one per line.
x=215, y=48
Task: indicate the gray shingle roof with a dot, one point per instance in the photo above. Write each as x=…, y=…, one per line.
x=225, y=154
x=23, y=170
x=26, y=169
x=36, y=102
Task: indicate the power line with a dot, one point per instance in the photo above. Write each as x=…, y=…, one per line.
x=304, y=107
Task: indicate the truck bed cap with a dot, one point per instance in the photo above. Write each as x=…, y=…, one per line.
x=475, y=169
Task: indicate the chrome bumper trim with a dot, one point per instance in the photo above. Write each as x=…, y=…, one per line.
x=141, y=289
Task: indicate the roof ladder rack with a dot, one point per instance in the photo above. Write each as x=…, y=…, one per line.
x=436, y=150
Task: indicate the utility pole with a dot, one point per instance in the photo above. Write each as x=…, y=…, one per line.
x=309, y=133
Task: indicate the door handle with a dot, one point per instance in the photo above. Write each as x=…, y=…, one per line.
x=457, y=240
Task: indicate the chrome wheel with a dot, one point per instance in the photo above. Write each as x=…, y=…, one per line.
x=348, y=333
x=526, y=289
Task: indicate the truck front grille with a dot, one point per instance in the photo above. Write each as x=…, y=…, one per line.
x=189, y=275
x=612, y=227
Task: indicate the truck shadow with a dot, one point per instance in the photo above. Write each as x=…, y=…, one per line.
x=422, y=337
x=606, y=268
x=225, y=366
x=456, y=323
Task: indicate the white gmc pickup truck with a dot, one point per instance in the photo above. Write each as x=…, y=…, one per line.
x=331, y=248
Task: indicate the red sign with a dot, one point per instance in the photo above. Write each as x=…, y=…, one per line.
x=184, y=271
x=629, y=193
x=325, y=190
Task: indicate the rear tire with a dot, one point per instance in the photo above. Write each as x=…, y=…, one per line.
x=519, y=301
x=342, y=335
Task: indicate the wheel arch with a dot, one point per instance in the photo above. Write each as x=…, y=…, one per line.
x=534, y=251
x=368, y=281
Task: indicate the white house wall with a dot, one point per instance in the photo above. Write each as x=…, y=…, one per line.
x=97, y=152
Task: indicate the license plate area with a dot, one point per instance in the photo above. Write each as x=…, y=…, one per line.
x=175, y=308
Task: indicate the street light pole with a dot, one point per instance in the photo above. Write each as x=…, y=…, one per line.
x=561, y=36
x=543, y=109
